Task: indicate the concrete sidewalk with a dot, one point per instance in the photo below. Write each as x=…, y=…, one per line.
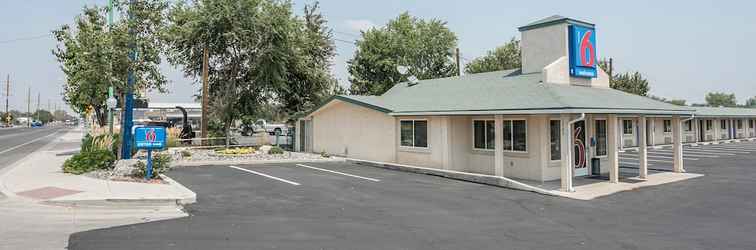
x=39, y=177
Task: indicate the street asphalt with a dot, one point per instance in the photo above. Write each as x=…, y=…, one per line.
x=317, y=206
x=16, y=143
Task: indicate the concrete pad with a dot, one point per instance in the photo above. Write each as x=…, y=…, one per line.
x=596, y=190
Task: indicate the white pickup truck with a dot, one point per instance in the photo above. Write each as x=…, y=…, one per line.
x=263, y=126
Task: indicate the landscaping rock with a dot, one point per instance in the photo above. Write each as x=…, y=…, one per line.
x=124, y=168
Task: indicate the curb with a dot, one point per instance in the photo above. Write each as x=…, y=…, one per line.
x=490, y=180
x=189, y=198
x=250, y=162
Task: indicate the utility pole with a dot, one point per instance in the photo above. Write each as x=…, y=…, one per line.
x=205, y=94
x=611, y=68
x=38, y=95
x=28, y=107
x=7, y=97
x=459, y=65
x=110, y=66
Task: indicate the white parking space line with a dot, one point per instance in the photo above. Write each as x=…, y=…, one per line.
x=649, y=159
x=265, y=175
x=337, y=172
x=710, y=152
x=729, y=150
x=685, y=157
x=732, y=148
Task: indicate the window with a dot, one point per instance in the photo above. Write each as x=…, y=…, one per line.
x=601, y=139
x=740, y=124
x=484, y=134
x=689, y=125
x=414, y=133
x=556, y=139
x=750, y=123
x=667, y=126
x=723, y=124
x=515, y=135
x=627, y=127
x=709, y=123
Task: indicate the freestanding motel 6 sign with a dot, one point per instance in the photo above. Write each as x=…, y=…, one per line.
x=149, y=138
x=582, y=51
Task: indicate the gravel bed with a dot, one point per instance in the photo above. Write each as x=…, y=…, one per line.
x=198, y=155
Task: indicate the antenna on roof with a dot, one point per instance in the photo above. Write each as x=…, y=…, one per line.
x=404, y=70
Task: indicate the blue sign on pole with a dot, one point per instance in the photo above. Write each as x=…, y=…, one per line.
x=149, y=138
x=582, y=51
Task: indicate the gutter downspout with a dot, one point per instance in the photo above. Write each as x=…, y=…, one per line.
x=569, y=151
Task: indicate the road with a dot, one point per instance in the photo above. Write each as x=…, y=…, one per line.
x=306, y=208
x=16, y=143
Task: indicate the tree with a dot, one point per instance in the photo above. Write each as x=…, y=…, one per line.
x=751, y=102
x=259, y=53
x=43, y=116
x=717, y=99
x=504, y=57
x=631, y=83
x=426, y=47
x=94, y=57
x=678, y=102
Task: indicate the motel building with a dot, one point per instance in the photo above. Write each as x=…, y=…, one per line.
x=554, y=120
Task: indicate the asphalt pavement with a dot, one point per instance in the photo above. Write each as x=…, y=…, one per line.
x=16, y=143
x=346, y=206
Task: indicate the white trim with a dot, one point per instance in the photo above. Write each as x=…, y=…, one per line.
x=485, y=135
x=414, y=148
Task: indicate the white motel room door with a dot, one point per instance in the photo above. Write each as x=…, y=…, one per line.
x=579, y=149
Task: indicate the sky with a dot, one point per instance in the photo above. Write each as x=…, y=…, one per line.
x=684, y=48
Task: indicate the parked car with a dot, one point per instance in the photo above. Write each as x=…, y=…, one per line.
x=36, y=124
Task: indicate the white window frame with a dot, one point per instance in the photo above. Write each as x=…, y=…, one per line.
x=664, y=126
x=688, y=125
x=560, y=139
x=485, y=135
x=632, y=127
x=606, y=122
x=511, y=132
x=427, y=134
x=723, y=125
x=709, y=125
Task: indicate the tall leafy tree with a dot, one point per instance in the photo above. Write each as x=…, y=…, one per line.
x=717, y=99
x=631, y=83
x=751, y=102
x=504, y=57
x=425, y=46
x=94, y=56
x=260, y=54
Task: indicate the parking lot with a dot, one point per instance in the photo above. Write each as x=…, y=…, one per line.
x=347, y=206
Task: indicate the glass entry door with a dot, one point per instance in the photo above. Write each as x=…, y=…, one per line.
x=579, y=149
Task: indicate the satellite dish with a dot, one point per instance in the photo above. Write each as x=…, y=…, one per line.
x=402, y=69
x=412, y=80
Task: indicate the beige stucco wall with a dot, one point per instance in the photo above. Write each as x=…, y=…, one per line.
x=353, y=131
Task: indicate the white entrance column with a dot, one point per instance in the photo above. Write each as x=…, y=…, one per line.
x=677, y=147
x=612, y=148
x=499, y=145
x=642, y=147
x=566, y=141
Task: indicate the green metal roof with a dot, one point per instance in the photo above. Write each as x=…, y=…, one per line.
x=724, y=112
x=507, y=92
x=552, y=20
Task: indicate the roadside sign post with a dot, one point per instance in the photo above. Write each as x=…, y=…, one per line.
x=149, y=138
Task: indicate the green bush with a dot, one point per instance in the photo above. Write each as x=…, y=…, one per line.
x=275, y=150
x=161, y=163
x=100, y=142
x=87, y=161
x=186, y=153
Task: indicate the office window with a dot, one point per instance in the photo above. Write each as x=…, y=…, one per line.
x=484, y=134
x=515, y=135
x=709, y=124
x=740, y=124
x=414, y=133
x=556, y=139
x=627, y=127
x=723, y=124
x=601, y=139
x=689, y=125
x=667, y=126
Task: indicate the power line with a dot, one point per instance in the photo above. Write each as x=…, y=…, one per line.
x=25, y=38
x=347, y=33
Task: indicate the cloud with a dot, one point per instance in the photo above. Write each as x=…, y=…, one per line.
x=359, y=24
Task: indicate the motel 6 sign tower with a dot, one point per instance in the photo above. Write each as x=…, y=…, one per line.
x=582, y=44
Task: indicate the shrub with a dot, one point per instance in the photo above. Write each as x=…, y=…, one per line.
x=325, y=155
x=235, y=151
x=275, y=150
x=161, y=163
x=100, y=142
x=186, y=153
x=87, y=161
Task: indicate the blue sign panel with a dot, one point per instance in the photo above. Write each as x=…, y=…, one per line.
x=149, y=137
x=582, y=51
